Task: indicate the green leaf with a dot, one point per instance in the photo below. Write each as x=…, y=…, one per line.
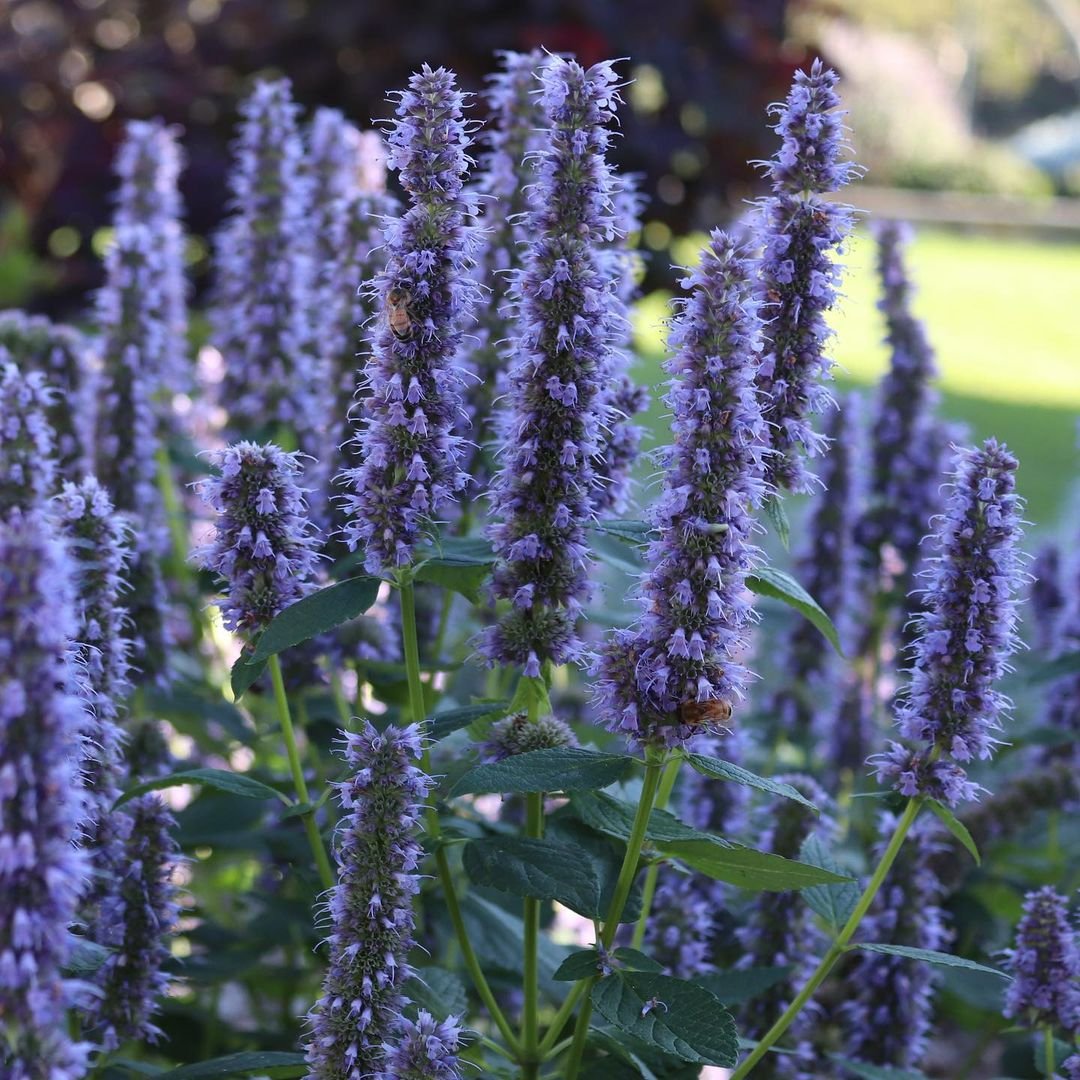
x=635, y=533
x=189, y=709
x=462, y=564
x=606, y=814
x=636, y=960
x=561, y=768
x=956, y=827
x=531, y=696
x=316, y=614
x=725, y=770
x=439, y=991
x=234, y=783
x=748, y=868
x=278, y=1065
x=778, y=519
x=735, y=987
x=768, y=581
x=1069, y=664
x=84, y=957
x=834, y=903
x=583, y=964
x=448, y=721
x=244, y=675
x=546, y=869
x=678, y=1017
x=930, y=956
x=876, y=1072
x=614, y=553
x=606, y=853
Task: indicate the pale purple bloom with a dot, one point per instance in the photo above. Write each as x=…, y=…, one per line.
x=688, y=646
x=1071, y=1069
x=888, y=1009
x=1048, y=601
x=423, y=1049
x=370, y=908
x=27, y=461
x=966, y=634
x=798, y=229
x=264, y=546
x=42, y=873
x=410, y=469
x=1062, y=710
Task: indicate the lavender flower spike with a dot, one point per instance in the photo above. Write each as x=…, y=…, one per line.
x=798, y=228
x=27, y=464
x=1045, y=965
x=410, y=468
x=426, y=1049
x=1048, y=602
x=543, y=492
x=661, y=678
x=41, y=873
x=966, y=633
x=370, y=907
x=264, y=546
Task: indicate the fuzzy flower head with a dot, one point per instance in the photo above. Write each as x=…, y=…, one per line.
x=966, y=634
x=265, y=546
x=1045, y=965
x=410, y=455
x=371, y=910
x=27, y=465
x=424, y=1049
x=798, y=229
x=549, y=432
x=517, y=734
x=679, y=668
x=41, y=724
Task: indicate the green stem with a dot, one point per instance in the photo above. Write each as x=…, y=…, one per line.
x=1048, y=1044
x=444, y=623
x=839, y=946
x=337, y=691
x=667, y=785
x=625, y=883
x=318, y=849
x=431, y=819
x=534, y=827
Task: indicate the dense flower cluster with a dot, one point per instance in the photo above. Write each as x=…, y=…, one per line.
x=550, y=436
x=1045, y=965
x=966, y=635
x=264, y=546
x=425, y=1049
x=1047, y=597
x=410, y=469
x=662, y=679
x=264, y=287
x=27, y=465
x=65, y=357
x=517, y=734
x=1063, y=695
x=41, y=873
x=371, y=906
x=887, y=1015
x=798, y=228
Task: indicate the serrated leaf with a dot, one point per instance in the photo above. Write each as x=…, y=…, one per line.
x=439, y=991
x=725, y=770
x=545, y=869
x=748, y=868
x=606, y=853
x=278, y=1065
x=448, y=721
x=677, y=1017
x=561, y=768
x=606, y=814
x=244, y=675
x=636, y=960
x=834, y=903
x=84, y=957
x=233, y=783
x=464, y=574
x=735, y=987
x=635, y=533
x=583, y=964
x=316, y=614
x=768, y=581
x=778, y=519
x=956, y=827
x=616, y=554
x=929, y=956
x=876, y=1072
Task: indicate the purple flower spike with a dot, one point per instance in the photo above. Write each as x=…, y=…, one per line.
x=262, y=312
x=42, y=874
x=139, y=915
x=1063, y=695
x=889, y=1010
x=1047, y=597
x=426, y=1049
x=1071, y=1069
x=966, y=633
x=27, y=462
x=798, y=228
x=265, y=546
x=543, y=492
x=370, y=908
x=679, y=668
x=410, y=470
x=1045, y=965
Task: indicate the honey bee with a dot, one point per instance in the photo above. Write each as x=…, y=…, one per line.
x=716, y=712
x=399, y=314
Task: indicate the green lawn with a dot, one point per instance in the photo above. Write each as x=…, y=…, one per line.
x=1004, y=315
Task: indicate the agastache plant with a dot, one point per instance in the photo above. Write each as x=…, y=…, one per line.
x=410, y=470
x=1063, y=695
x=1048, y=600
x=27, y=465
x=426, y=1049
x=542, y=493
x=952, y=707
x=663, y=679
x=798, y=229
x=42, y=873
